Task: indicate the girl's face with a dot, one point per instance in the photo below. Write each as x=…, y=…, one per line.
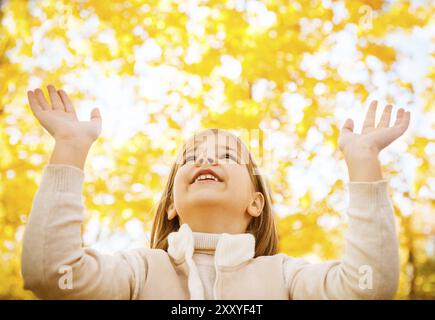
x=226, y=205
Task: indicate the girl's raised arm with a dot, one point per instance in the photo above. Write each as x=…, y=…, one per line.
x=55, y=265
x=369, y=268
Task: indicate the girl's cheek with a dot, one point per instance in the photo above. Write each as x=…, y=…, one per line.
x=182, y=177
x=177, y=180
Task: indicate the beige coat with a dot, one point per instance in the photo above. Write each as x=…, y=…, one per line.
x=55, y=265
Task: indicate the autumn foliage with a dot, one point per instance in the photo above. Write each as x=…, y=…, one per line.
x=285, y=74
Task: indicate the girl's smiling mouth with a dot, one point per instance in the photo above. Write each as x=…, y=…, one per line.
x=205, y=176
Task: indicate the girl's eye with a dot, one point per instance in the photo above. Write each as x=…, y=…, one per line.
x=188, y=159
x=230, y=156
x=226, y=156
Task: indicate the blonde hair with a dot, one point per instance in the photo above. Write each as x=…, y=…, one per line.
x=262, y=227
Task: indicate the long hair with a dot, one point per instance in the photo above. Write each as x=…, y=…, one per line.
x=263, y=227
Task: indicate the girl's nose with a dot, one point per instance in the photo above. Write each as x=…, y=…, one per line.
x=209, y=160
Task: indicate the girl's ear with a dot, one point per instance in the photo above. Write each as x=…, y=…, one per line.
x=172, y=213
x=256, y=206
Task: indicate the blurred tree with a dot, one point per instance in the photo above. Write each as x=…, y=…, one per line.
x=236, y=65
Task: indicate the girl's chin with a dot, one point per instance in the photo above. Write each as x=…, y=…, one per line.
x=211, y=188
x=208, y=198
x=207, y=193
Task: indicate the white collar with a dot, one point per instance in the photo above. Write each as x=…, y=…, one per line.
x=231, y=250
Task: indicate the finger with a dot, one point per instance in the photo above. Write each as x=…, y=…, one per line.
x=348, y=126
x=41, y=99
x=369, y=121
x=66, y=101
x=406, y=120
x=33, y=102
x=399, y=116
x=56, y=101
x=386, y=116
x=403, y=124
x=95, y=115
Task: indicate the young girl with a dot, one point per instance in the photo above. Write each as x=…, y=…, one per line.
x=214, y=234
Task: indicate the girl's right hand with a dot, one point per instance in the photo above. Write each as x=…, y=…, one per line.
x=60, y=118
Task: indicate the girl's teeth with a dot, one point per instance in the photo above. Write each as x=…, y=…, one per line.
x=205, y=177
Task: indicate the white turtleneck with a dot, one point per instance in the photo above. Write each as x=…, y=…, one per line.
x=203, y=256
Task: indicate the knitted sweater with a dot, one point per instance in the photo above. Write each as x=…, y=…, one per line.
x=203, y=256
x=52, y=245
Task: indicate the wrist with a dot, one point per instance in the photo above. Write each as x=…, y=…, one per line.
x=360, y=153
x=364, y=169
x=77, y=144
x=70, y=153
x=363, y=163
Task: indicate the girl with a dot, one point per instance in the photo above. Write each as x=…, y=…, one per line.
x=214, y=234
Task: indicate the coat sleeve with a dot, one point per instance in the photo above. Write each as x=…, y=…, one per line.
x=369, y=268
x=55, y=265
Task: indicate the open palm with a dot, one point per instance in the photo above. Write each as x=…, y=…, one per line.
x=60, y=118
x=373, y=137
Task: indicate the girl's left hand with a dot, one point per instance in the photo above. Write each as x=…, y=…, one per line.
x=372, y=139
